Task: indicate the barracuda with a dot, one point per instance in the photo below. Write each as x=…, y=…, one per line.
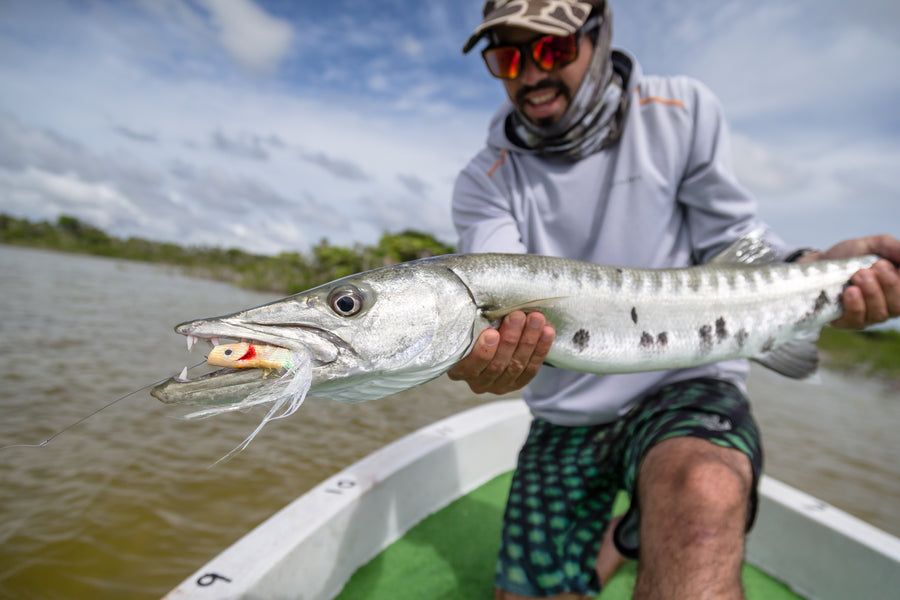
x=376, y=333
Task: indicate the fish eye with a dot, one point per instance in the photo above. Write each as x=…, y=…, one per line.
x=228, y=352
x=345, y=301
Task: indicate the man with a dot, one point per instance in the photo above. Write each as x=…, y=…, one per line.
x=592, y=160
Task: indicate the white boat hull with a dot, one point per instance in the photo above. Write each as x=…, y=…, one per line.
x=310, y=548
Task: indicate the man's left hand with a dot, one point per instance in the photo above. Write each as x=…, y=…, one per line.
x=874, y=296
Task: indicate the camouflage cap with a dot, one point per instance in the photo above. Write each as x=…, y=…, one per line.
x=552, y=17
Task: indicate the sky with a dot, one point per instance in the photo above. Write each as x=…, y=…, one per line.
x=270, y=125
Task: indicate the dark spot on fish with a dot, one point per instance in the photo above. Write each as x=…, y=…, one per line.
x=663, y=339
x=741, y=337
x=619, y=271
x=705, y=335
x=770, y=343
x=581, y=338
x=634, y=315
x=646, y=340
x=821, y=302
x=721, y=330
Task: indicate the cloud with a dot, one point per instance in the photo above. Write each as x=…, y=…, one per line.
x=342, y=169
x=416, y=185
x=135, y=135
x=45, y=175
x=168, y=115
x=779, y=67
x=23, y=147
x=256, y=39
x=819, y=194
x=762, y=171
x=411, y=47
x=243, y=145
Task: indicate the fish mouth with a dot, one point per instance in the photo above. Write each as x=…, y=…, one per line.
x=320, y=354
x=229, y=385
x=323, y=346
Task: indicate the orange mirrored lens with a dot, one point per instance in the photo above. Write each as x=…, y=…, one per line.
x=552, y=52
x=503, y=62
x=549, y=53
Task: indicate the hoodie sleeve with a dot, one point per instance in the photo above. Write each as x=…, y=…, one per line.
x=718, y=208
x=482, y=212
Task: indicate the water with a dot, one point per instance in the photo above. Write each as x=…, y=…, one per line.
x=126, y=504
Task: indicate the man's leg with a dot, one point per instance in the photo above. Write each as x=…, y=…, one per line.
x=559, y=503
x=694, y=497
x=609, y=560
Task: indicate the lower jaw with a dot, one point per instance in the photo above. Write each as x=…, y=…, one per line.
x=543, y=114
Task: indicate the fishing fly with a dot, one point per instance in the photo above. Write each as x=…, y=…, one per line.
x=287, y=392
x=245, y=355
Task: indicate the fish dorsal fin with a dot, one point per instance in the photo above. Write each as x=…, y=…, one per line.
x=749, y=249
x=533, y=305
x=797, y=358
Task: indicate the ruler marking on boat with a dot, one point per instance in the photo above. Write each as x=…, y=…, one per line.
x=342, y=484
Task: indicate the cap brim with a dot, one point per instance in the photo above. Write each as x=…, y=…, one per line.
x=565, y=19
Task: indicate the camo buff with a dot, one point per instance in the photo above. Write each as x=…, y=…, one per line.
x=594, y=117
x=552, y=17
x=593, y=120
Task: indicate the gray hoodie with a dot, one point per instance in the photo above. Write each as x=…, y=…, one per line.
x=665, y=195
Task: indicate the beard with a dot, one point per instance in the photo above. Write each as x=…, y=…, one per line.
x=521, y=101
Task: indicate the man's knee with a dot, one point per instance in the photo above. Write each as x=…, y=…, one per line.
x=694, y=477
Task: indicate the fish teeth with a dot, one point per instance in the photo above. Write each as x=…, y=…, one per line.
x=183, y=376
x=191, y=340
x=213, y=342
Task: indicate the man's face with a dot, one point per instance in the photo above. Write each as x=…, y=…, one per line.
x=542, y=96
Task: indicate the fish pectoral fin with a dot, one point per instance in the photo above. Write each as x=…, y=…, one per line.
x=797, y=359
x=749, y=249
x=532, y=305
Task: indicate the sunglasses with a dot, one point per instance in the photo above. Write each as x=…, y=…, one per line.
x=549, y=53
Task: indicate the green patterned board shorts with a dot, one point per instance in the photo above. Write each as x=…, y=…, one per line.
x=567, y=479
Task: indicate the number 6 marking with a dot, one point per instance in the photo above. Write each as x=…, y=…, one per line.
x=210, y=578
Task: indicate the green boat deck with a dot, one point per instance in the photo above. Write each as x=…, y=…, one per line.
x=450, y=555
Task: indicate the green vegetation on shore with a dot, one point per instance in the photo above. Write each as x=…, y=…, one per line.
x=285, y=273
x=868, y=353
x=872, y=353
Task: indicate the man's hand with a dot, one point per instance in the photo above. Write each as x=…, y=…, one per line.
x=874, y=296
x=505, y=360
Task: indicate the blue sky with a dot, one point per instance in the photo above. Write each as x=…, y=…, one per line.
x=272, y=124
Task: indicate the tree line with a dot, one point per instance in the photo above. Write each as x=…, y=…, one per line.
x=285, y=273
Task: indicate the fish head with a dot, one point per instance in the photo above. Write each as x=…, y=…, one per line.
x=367, y=335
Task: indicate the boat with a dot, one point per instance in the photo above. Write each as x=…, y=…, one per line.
x=420, y=518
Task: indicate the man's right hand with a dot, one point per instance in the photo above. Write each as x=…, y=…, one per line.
x=505, y=360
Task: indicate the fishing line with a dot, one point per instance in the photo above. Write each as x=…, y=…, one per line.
x=85, y=418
